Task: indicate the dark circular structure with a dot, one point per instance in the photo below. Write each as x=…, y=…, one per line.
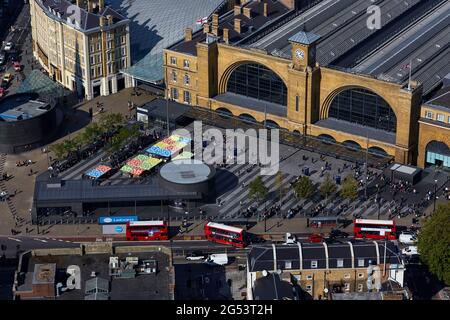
x=189, y=175
x=27, y=122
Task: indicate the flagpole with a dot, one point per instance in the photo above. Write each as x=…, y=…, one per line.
x=410, y=72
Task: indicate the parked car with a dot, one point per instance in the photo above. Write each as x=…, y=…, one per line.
x=336, y=233
x=316, y=238
x=6, y=80
x=8, y=46
x=290, y=239
x=407, y=237
x=217, y=259
x=409, y=251
x=195, y=256
x=2, y=58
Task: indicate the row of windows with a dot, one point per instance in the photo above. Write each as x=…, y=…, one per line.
x=186, y=63
x=314, y=264
x=186, y=78
x=439, y=116
x=186, y=95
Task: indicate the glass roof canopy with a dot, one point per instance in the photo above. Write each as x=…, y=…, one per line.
x=155, y=25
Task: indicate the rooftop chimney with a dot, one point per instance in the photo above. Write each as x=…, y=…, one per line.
x=102, y=21
x=79, y=3
x=248, y=12
x=206, y=28
x=110, y=19
x=266, y=9
x=226, y=35
x=90, y=5
x=237, y=10
x=237, y=25
x=101, y=5
x=188, y=34
x=215, y=19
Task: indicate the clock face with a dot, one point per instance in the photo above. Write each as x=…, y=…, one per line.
x=300, y=54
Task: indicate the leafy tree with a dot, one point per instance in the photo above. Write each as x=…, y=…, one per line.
x=434, y=243
x=304, y=188
x=90, y=133
x=257, y=189
x=110, y=120
x=349, y=188
x=59, y=151
x=328, y=186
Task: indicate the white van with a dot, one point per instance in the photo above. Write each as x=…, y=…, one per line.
x=407, y=238
x=219, y=259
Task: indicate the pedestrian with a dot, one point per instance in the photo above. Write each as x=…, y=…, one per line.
x=26, y=230
x=31, y=171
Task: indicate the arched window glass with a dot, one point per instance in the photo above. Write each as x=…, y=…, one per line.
x=363, y=107
x=256, y=81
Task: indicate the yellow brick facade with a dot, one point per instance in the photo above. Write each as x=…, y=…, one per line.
x=313, y=86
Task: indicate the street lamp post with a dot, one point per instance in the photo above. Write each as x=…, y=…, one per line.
x=435, y=195
x=167, y=111
x=367, y=164
x=378, y=200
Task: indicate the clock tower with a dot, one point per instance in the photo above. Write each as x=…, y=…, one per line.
x=304, y=49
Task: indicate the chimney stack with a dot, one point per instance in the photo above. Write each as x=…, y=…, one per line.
x=101, y=4
x=79, y=3
x=188, y=34
x=110, y=19
x=226, y=35
x=237, y=10
x=237, y=25
x=90, y=6
x=102, y=21
x=206, y=28
x=266, y=9
x=215, y=19
x=248, y=12
x=215, y=24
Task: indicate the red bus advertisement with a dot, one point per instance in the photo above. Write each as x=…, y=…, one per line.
x=221, y=233
x=374, y=229
x=147, y=230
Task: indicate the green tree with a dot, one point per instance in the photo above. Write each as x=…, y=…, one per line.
x=304, y=188
x=90, y=133
x=110, y=120
x=349, y=188
x=257, y=190
x=328, y=186
x=434, y=243
x=59, y=151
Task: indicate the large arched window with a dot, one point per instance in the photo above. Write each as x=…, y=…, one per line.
x=363, y=107
x=256, y=81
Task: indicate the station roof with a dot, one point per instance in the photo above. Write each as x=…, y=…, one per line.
x=86, y=191
x=156, y=24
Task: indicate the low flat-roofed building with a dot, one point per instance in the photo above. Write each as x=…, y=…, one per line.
x=43, y=274
x=322, y=269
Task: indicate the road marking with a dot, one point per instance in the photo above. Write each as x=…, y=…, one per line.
x=41, y=240
x=60, y=240
x=15, y=239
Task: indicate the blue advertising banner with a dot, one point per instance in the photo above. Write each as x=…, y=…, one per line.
x=116, y=220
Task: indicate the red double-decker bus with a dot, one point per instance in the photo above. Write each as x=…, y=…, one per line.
x=221, y=233
x=374, y=229
x=147, y=230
